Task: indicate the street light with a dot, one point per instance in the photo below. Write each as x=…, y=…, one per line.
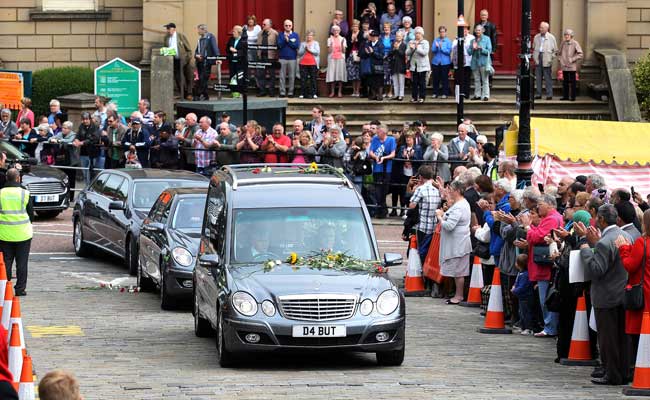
x=524, y=156
x=460, y=55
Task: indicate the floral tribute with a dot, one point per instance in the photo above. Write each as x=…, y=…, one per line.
x=326, y=259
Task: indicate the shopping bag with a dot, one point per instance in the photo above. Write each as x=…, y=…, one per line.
x=431, y=267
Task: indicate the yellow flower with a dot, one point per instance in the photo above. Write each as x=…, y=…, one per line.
x=313, y=166
x=294, y=258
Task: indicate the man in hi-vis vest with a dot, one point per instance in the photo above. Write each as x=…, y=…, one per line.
x=16, y=216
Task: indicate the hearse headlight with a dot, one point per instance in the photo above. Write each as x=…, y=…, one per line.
x=244, y=303
x=365, y=308
x=65, y=180
x=182, y=256
x=268, y=308
x=387, y=302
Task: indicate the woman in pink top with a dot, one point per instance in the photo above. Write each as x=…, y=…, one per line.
x=26, y=111
x=336, y=69
x=302, y=150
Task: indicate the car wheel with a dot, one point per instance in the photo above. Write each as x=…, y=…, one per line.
x=131, y=256
x=166, y=302
x=48, y=214
x=144, y=282
x=202, y=327
x=224, y=356
x=80, y=247
x=390, y=358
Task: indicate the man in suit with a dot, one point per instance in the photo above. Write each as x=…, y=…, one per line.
x=183, y=70
x=626, y=217
x=603, y=267
x=206, y=49
x=459, y=147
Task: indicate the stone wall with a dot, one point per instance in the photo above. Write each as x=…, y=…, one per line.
x=638, y=29
x=32, y=40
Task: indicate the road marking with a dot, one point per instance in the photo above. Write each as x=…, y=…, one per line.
x=47, y=253
x=42, y=331
x=64, y=258
x=85, y=276
x=50, y=224
x=53, y=234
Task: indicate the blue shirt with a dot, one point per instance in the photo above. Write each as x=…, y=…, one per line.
x=288, y=48
x=523, y=286
x=496, y=241
x=441, y=55
x=388, y=43
x=383, y=149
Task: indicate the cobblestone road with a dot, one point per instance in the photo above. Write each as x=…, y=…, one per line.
x=122, y=346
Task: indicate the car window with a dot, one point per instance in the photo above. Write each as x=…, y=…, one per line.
x=98, y=185
x=215, y=226
x=11, y=151
x=146, y=192
x=188, y=214
x=111, y=186
x=123, y=191
x=274, y=233
x=157, y=210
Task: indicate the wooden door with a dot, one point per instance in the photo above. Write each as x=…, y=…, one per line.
x=506, y=15
x=233, y=13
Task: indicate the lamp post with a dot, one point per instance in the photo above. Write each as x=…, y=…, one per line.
x=460, y=55
x=524, y=156
x=243, y=86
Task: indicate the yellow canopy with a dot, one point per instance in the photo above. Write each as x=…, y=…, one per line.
x=608, y=142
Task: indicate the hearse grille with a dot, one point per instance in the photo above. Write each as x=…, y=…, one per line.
x=46, y=188
x=320, y=307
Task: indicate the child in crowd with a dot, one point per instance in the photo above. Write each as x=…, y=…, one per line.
x=523, y=289
x=132, y=158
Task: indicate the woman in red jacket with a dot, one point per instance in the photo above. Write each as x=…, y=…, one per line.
x=633, y=256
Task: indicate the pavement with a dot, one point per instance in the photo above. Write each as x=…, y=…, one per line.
x=121, y=345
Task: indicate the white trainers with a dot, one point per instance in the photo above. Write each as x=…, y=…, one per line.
x=315, y=96
x=526, y=332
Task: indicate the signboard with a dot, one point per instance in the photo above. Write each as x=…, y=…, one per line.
x=120, y=81
x=12, y=87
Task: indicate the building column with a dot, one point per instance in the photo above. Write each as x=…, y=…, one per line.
x=606, y=27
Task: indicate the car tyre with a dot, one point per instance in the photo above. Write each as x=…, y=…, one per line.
x=224, y=356
x=202, y=327
x=145, y=283
x=391, y=358
x=166, y=301
x=131, y=256
x=81, y=249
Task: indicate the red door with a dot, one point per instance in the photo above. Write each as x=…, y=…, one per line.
x=506, y=15
x=233, y=13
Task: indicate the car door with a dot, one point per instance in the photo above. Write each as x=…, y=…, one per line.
x=212, y=242
x=114, y=220
x=146, y=247
x=158, y=238
x=90, y=211
x=122, y=219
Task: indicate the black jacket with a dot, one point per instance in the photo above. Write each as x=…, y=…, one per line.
x=90, y=136
x=398, y=59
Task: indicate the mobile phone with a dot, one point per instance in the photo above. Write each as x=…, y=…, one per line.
x=540, y=187
x=632, y=191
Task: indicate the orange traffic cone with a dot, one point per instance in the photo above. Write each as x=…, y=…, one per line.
x=16, y=318
x=641, y=383
x=3, y=281
x=475, y=285
x=6, y=307
x=580, y=349
x=494, y=317
x=413, y=282
x=15, y=354
x=26, y=388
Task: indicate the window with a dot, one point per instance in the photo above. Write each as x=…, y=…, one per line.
x=112, y=186
x=123, y=191
x=215, y=224
x=70, y=5
x=189, y=213
x=146, y=192
x=98, y=185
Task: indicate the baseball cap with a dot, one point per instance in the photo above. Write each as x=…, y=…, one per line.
x=170, y=25
x=225, y=114
x=374, y=33
x=136, y=121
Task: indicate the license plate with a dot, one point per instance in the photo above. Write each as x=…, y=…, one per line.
x=47, y=198
x=319, y=331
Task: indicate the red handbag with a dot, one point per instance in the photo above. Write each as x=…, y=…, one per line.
x=431, y=267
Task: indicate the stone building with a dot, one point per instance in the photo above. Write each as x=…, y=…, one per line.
x=36, y=34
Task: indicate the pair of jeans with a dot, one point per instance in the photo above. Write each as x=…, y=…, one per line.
x=203, y=69
x=398, y=84
x=287, y=67
x=382, y=184
x=266, y=79
x=525, y=313
x=467, y=77
x=441, y=80
x=419, y=88
x=546, y=73
x=308, y=75
x=481, y=83
x=569, y=85
x=551, y=319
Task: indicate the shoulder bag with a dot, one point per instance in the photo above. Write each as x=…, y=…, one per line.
x=541, y=255
x=553, y=299
x=633, y=300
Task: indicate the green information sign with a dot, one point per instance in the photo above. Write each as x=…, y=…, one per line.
x=120, y=81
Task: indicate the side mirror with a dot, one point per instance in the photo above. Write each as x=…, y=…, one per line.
x=210, y=261
x=392, y=259
x=116, y=205
x=154, y=227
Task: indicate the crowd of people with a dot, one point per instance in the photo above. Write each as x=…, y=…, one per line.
x=526, y=234
x=378, y=55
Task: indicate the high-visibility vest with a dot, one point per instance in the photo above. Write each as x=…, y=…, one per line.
x=15, y=225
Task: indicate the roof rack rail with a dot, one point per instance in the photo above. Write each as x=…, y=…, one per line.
x=321, y=168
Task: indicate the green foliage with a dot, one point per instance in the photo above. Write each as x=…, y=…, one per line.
x=50, y=83
x=641, y=75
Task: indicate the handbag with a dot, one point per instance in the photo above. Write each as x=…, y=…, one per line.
x=431, y=267
x=542, y=255
x=560, y=75
x=377, y=69
x=633, y=300
x=488, y=67
x=355, y=57
x=362, y=167
x=553, y=300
